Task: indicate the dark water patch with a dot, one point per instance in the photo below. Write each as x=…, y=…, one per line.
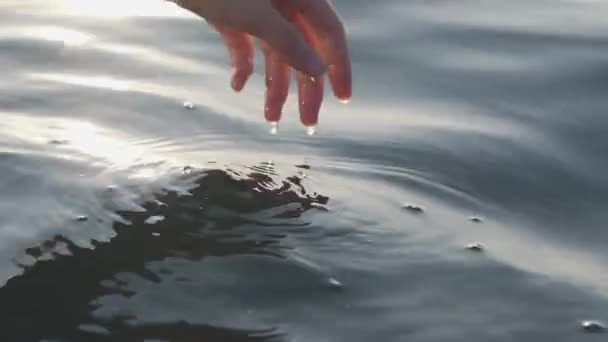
x=55, y=297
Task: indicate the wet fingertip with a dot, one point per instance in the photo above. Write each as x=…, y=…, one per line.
x=309, y=121
x=273, y=127
x=344, y=99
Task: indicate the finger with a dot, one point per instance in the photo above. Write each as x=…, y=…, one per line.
x=310, y=89
x=240, y=47
x=278, y=74
x=329, y=42
x=270, y=26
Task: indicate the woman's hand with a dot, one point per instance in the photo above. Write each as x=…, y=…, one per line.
x=305, y=35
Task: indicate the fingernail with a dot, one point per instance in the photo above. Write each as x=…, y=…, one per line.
x=274, y=127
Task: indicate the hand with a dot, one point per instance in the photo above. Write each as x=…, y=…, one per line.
x=305, y=35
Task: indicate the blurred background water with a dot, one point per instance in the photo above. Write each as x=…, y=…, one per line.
x=126, y=216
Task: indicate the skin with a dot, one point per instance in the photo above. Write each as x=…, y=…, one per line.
x=304, y=37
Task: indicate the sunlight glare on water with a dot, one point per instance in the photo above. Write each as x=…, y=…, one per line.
x=118, y=8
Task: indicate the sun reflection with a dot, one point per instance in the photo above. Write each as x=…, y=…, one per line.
x=119, y=8
x=67, y=36
x=105, y=82
x=86, y=138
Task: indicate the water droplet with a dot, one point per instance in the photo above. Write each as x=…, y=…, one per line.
x=154, y=219
x=313, y=79
x=311, y=130
x=274, y=127
x=475, y=219
x=155, y=234
x=334, y=283
x=591, y=326
x=188, y=105
x=82, y=218
x=344, y=101
x=416, y=209
x=188, y=170
x=475, y=247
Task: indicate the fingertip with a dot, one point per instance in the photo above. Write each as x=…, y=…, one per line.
x=239, y=79
x=237, y=84
x=341, y=83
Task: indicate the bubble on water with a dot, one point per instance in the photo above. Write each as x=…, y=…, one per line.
x=82, y=218
x=154, y=219
x=592, y=326
x=273, y=127
x=475, y=219
x=334, y=283
x=311, y=130
x=188, y=105
x=413, y=208
x=475, y=247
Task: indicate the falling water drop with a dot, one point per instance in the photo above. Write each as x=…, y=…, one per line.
x=311, y=130
x=274, y=127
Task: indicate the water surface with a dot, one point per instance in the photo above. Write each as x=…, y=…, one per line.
x=128, y=217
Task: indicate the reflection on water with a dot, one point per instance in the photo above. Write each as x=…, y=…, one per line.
x=57, y=295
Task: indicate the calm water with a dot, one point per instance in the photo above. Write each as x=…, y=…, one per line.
x=127, y=217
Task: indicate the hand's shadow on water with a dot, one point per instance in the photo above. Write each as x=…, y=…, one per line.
x=52, y=298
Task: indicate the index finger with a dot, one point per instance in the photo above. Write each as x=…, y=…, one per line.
x=330, y=43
